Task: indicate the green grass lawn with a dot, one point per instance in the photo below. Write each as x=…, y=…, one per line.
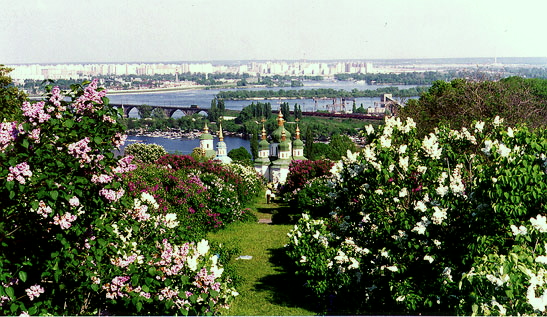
x=266, y=286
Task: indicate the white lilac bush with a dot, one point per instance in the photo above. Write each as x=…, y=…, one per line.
x=73, y=239
x=453, y=223
x=145, y=153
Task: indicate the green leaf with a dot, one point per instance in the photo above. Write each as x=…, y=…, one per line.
x=54, y=194
x=23, y=276
x=69, y=123
x=10, y=292
x=98, y=140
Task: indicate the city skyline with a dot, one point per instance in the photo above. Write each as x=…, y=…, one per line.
x=120, y=31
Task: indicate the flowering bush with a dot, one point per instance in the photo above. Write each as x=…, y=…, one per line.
x=422, y=225
x=300, y=172
x=247, y=183
x=72, y=240
x=146, y=153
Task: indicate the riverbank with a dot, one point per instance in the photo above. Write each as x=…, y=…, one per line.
x=166, y=89
x=177, y=134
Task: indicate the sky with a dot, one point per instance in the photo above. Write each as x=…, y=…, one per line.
x=72, y=31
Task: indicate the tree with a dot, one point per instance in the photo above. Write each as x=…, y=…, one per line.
x=308, y=146
x=285, y=110
x=213, y=111
x=339, y=146
x=11, y=98
x=254, y=144
x=240, y=155
x=460, y=102
x=145, y=111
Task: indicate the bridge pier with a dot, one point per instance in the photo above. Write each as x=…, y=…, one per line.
x=168, y=110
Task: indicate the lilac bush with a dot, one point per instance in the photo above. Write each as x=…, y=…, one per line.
x=72, y=238
x=453, y=223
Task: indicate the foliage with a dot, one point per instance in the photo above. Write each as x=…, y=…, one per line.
x=145, y=153
x=340, y=145
x=73, y=239
x=217, y=110
x=245, y=180
x=242, y=94
x=460, y=102
x=11, y=98
x=240, y=155
x=255, y=112
x=300, y=172
x=452, y=223
x=145, y=111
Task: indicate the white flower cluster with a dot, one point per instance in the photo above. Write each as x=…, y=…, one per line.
x=431, y=147
x=539, y=223
x=456, y=183
x=439, y=215
x=421, y=226
x=464, y=134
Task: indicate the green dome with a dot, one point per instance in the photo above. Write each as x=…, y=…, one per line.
x=276, y=135
x=284, y=146
x=205, y=136
x=298, y=144
x=263, y=145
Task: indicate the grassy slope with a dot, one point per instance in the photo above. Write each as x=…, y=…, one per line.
x=267, y=288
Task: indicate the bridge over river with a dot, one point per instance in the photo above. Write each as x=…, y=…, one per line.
x=168, y=110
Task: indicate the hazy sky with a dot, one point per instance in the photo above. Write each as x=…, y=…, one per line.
x=42, y=31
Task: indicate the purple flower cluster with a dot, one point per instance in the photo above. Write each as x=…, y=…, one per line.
x=80, y=150
x=86, y=102
x=19, y=172
x=43, y=209
x=8, y=133
x=34, y=291
x=56, y=99
x=65, y=221
x=112, y=195
x=116, y=287
x=101, y=179
x=124, y=165
x=35, y=112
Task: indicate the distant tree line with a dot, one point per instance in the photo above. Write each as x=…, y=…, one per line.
x=427, y=78
x=319, y=93
x=461, y=102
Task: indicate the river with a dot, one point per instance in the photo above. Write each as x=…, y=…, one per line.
x=184, y=145
x=203, y=97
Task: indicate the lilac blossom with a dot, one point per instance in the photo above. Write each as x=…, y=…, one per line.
x=8, y=133
x=19, y=172
x=34, y=291
x=35, y=112
x=80, y=150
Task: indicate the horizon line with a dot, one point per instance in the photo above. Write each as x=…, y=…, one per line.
x=495, y=58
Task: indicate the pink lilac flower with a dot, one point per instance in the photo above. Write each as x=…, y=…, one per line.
x=65, y=221
x=86, y=102
x=108, y=119
x=8, y=133
x=34, y=291
x=112, y=195
x=35, y=112
x=115, y=288
x=43, y=209
x=119, y=139
x=101, y=179
x=56, y=98
x=35, y=135
x=80, y=150
x=74, y=201
x=19, y=172
x=124, y=165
